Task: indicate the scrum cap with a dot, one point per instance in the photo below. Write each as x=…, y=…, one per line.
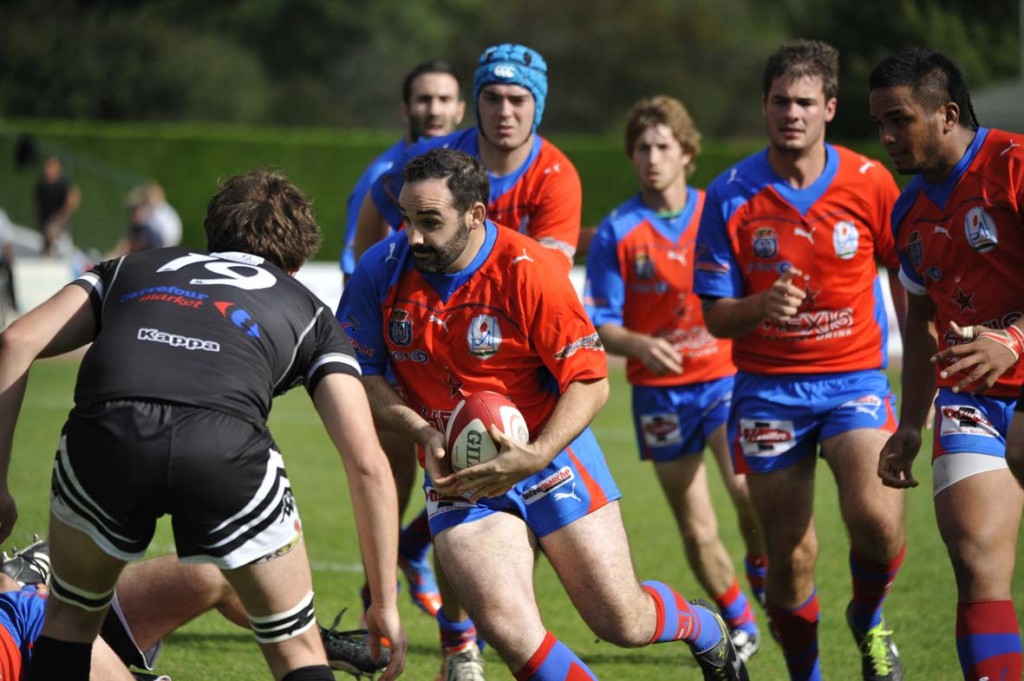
x=510, y=64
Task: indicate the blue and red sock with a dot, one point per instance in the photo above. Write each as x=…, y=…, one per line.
x=797, y=632
x=988, y=640
x=554, y=661
x=871, y=584
x=757, y=569
x=736, y=610
x=456, y=637
x=681, y=621
x=414, y=539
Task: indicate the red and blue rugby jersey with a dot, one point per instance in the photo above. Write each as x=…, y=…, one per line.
x=756, y=226
x=961, y=242
x=640, y=277
x=542, y=199
x=510, y=322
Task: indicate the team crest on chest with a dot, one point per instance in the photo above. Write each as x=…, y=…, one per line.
x=400, y=327
x=915, y=251
x=981, y=231
x=845, y=239
x=643, y=266
x=484, y=336
x=766, y=244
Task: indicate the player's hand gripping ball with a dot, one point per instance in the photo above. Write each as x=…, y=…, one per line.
x=467, y=438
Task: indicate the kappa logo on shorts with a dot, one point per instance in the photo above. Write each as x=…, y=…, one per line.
x=176, y=341
x=766, y=437
x=549, y=484
x=965, y=419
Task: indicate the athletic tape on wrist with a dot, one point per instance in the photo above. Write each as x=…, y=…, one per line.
x=1010, y=338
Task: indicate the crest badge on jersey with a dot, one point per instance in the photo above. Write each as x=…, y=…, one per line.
x=643, y=266
x=914, y=249
x=484, y=336
x=400, y=327
x=766, y=244
x=845, y=239
x=981, y=231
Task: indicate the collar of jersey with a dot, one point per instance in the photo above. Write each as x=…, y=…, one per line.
x=446, y=283
x=939, y=192
x=670, y=227
x=803, y=199
x=500, y=185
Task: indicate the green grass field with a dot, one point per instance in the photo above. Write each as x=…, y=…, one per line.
x=921, y=608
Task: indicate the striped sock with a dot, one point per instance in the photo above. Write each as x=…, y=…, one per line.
x=456, y=637
x=554, y=661
x=871, y=584
x=736, y=610
x=681, y=621
x=797, y=632
x=988, y=640
x=757, y=569
x=414, y=539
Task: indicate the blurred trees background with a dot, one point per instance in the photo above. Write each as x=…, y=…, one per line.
x=339, y=63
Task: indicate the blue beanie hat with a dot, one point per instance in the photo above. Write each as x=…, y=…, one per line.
x=510, y=64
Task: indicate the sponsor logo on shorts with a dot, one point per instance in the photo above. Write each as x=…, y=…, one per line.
x=965, y=419
x=591, y=342
x=867, y=404
x=767, y=437
x=438, y=503
x=660, y=429
x=176, y=341
x=548, y=485
x=571, y=494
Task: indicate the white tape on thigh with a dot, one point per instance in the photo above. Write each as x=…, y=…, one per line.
x=285, y=625
x=90, y=601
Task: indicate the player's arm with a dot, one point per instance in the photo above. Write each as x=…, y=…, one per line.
x=657, y=354
x=735, y=317
x=391, y=412
x=62, y=323
x=371, y=227
x=344, y=409
x=557, y=219
x=918, y=380
x=576, y=408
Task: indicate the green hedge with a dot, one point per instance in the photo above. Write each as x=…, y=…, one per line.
x=107, y=159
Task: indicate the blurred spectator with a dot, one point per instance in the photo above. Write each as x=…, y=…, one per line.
x=152, y=222
x=56, y=200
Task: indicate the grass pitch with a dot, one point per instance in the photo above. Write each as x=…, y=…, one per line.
x=921, y=608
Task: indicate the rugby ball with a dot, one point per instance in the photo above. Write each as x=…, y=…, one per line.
x=466, y=436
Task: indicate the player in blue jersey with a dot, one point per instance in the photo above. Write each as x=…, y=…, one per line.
x=639, y=296
x=787, y=264
x=959, y=227
x=432, y=106
x=198, y=449
x=460, y=304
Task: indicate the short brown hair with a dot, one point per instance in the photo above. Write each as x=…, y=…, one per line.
x=664, y=110
x=804, y=58
x=263, y=213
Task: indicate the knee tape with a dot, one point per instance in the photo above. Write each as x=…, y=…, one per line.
x=285, y=625
x=89, y=601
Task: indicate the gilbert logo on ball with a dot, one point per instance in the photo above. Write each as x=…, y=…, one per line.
x=466, y=436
